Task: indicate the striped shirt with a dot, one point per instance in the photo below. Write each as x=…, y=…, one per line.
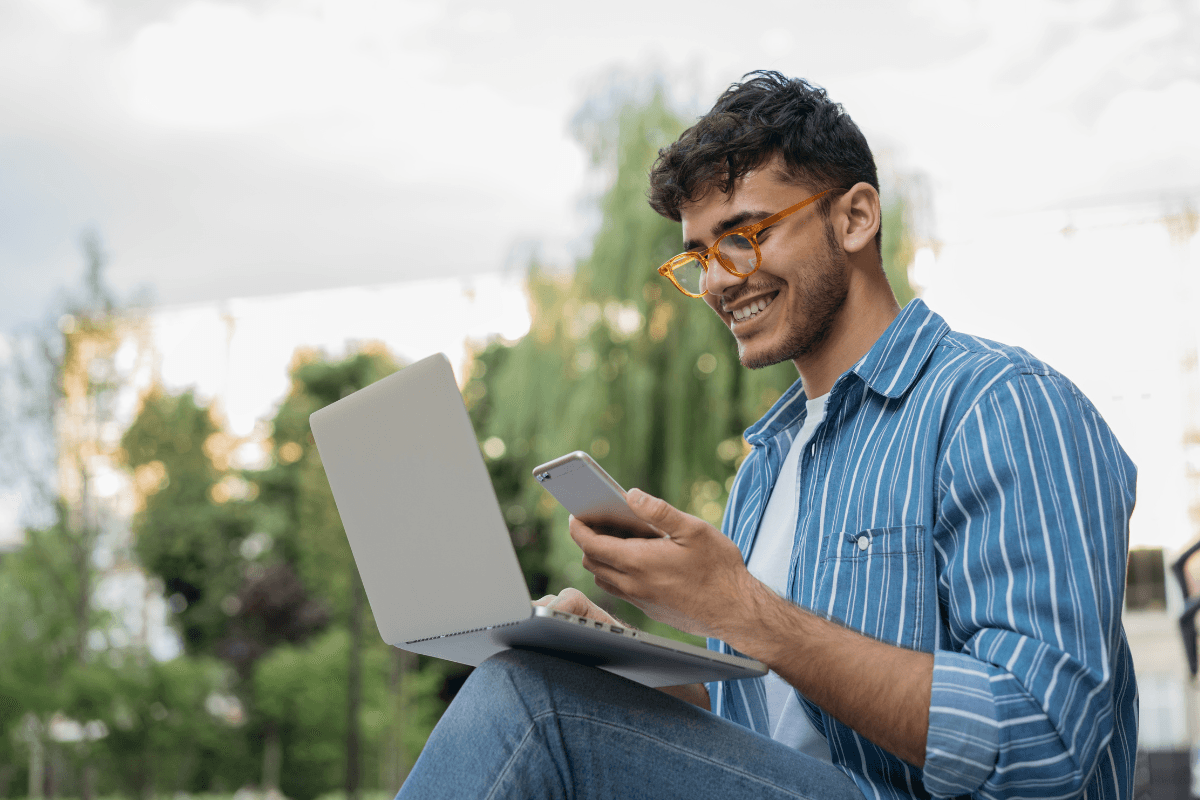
x=965, y=499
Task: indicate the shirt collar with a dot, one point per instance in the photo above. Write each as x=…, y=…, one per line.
x=889, y=368
x=893, y=363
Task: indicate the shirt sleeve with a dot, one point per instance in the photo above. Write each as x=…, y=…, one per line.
x=1031, y=541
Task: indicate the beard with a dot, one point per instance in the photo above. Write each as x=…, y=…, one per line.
x=822, y=290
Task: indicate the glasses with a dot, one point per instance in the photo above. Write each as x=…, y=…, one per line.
x=736, y=251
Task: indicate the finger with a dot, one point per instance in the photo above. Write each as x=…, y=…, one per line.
x=545, y=601
x=592, y=565
x=611, y=588
x=611, y=582
x=574, y=602
x=621, y=554
x=658, y=512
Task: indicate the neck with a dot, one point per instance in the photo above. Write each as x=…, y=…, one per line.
x=869, y=309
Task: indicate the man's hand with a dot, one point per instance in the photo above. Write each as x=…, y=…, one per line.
x=573, y=601
x=697, y=582
x=694, y=581
x=576, y=602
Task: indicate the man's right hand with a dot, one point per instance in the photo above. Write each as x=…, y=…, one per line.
x=573, y=601
x=576, y=602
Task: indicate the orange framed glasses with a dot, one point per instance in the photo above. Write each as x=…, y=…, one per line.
x=735, y=250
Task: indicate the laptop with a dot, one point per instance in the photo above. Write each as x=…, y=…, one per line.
x=434, y=552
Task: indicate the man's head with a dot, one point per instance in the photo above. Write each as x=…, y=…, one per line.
x=812, y=276
x=752, y=122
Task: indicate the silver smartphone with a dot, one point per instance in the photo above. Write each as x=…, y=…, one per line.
x=589, y=493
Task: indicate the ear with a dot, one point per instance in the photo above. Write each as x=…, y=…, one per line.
x=856, y=217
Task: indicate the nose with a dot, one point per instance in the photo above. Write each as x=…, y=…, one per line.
x=719, y=280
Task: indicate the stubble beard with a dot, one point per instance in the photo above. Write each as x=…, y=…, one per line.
x=822, y=289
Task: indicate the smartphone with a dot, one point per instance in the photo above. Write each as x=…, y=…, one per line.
x=589, y=493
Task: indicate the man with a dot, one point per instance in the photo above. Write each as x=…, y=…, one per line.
x=926, y=544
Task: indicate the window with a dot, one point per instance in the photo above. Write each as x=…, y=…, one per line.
x=1146, y=580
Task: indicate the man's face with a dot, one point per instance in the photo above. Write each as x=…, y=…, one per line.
x=786, y=309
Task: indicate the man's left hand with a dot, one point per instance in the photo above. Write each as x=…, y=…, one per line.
x=695, y=580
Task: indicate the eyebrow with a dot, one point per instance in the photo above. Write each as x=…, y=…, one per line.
x=729, y=223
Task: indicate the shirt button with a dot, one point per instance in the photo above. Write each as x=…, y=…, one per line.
x=863, y=542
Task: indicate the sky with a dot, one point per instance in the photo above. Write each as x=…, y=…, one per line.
x=235, y=149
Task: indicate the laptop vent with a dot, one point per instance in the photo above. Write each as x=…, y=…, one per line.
x=460, y=633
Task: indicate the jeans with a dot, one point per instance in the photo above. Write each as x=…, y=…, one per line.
x=527, y=725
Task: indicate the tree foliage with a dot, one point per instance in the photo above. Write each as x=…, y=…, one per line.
x=183, y=535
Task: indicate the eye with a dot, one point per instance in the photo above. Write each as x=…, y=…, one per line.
x=735, y=242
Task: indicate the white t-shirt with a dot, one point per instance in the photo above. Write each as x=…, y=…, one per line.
x=769, y=562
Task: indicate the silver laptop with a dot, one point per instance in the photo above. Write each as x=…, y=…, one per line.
x=434, y=552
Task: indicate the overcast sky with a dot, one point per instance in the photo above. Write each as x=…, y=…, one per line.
x=226, y=149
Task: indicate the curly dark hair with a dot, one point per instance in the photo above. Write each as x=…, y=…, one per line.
x=766, y=114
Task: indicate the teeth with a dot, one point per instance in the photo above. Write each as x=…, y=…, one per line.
x=750, y=310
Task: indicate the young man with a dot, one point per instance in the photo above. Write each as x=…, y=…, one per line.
x=926, y=544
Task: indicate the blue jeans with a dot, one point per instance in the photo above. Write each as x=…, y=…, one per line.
x=527, y=725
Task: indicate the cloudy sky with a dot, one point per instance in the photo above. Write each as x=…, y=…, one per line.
x=231, y=149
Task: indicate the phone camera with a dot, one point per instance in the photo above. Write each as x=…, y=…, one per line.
x=545, y=476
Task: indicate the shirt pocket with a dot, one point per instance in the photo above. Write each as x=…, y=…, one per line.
x=874, y=581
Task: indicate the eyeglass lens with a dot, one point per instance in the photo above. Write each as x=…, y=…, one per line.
x=736, y=251
x=739, y=253
x=690, y=275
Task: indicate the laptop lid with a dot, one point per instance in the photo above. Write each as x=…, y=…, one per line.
x=418, y=506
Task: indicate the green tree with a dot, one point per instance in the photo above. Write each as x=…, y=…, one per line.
x=59, y=396
x=254, y=563
x=157, y=731
x=897, y=248
x=182, y=534
x=305, y=689
x=39, y=589
x=297, y=509
x=233, y=596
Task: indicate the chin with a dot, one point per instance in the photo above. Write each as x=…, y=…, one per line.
x=756, y=358
x=800, y=342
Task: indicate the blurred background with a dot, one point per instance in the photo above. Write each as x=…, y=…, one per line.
x=216, y=217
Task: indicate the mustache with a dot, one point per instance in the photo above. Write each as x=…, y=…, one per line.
x=730, y=302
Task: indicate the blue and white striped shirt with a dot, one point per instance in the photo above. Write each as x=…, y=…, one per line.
x=994, y=502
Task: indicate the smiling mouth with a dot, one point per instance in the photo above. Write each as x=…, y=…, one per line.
x=753, y=308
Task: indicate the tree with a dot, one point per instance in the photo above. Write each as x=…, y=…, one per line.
x=256, y=565
x=63, y=381
x=182, y=534
x=898, y=248
x=234, y=597
x=39, y=590
x=155, y=719
x=298, y=509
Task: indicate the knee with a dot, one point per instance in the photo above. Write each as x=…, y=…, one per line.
x=518, y=667
x=530, y=674
x=512, y=682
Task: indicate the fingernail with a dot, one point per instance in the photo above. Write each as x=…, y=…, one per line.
x=637, y=495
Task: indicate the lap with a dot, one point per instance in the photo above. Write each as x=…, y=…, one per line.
x=530, y=725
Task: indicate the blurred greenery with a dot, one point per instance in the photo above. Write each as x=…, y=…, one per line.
x=283, y=681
